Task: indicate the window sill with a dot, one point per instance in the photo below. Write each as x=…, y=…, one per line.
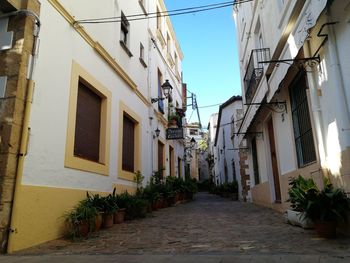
x=126, y=49
x=143, y=63
x=143, y=8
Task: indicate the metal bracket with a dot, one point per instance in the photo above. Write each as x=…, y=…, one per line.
x=277, y=106
x=311, y=61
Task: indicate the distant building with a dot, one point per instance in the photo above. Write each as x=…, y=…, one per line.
x=226, y=157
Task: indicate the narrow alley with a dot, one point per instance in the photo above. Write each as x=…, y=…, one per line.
x=209, y=225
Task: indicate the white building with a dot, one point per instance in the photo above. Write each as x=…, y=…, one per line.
x=92, y=118
x=296, y=113
x=212, y=126
x=226, y=157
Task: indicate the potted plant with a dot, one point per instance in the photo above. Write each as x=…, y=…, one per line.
x=109, y=207
x=122, y=202
x=301, y=190
x=174, y=120
x=97, y=202
x=326, y=208
x=81, y=218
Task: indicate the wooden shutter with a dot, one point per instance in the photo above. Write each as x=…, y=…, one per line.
x=128, y=144
x=160, y=156
x=88, y=123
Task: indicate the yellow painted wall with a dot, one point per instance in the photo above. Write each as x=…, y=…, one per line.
x=38, y=217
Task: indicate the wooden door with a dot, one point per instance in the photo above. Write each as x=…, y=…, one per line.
x=276, y=179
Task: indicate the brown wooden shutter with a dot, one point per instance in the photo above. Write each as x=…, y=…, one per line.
x=160, y=157
x=128, y=144
x=87, y=125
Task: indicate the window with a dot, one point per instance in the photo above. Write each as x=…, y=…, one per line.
x=159, y=19
x=193, y=132
x=161, y=157
x=160, y=93
x=88, y=129
x=304, y=142
x=87, y=126
x=179, y=167
x=129, y=152
x=125, y=34
x=124, y=29
x=176, y=65
x=168, y=43
x=128, y=144
x=143, y=5
x=171, y=161
x=255, y=162
x=142, y=56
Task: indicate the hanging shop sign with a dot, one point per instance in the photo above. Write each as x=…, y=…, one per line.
x=174, y=133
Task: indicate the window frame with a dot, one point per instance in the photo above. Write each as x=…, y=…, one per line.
x=125, y=110
x=78, y=73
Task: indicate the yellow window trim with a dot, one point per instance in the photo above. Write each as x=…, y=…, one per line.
x=100, y=50
x=126, y=175
x=72, y=161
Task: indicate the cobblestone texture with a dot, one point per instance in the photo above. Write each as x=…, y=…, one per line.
x=209, y=225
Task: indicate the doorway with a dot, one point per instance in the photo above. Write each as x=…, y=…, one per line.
x=274, y=163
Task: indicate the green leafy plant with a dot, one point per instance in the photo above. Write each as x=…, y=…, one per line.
x=138, y=179
x=301, y=191
x=83, y=213
x=330, y=204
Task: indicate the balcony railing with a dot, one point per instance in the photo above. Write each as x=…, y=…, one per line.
x=254, y=72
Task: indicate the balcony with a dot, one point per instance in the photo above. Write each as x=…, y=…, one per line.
x=254, y=72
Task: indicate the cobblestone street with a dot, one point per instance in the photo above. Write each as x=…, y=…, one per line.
x=209, y=225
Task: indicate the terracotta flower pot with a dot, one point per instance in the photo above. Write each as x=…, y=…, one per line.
x=84, y=228
x=119, y=217
x=107, y=220
x=98, y=223
x=326, y=229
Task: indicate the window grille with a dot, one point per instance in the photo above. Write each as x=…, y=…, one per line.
x=304, y=141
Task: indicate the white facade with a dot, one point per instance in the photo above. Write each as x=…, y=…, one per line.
x=225, y=148
x=124, y=76
x=212, y=126
x=314, y=140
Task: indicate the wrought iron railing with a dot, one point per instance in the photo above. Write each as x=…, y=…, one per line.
x=254, y=72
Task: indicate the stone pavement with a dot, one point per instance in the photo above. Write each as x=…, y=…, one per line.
x=209, y=229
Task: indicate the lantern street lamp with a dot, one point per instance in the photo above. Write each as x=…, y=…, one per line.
x=167, y=90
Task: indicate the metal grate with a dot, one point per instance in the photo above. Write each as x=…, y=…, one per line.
x=304, y=141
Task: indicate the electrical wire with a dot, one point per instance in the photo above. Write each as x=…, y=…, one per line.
x=158, y=13
x=190, y=10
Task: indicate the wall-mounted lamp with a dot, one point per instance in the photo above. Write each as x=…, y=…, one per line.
x=157, y=131
x=167, y=90
x=193, y=142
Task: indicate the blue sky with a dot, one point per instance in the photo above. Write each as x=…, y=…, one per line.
x=210, y=65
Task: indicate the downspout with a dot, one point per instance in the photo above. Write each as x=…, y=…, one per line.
x=316, y=109
x=25, y=128
x=338, y=79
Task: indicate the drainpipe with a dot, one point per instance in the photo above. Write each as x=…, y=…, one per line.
x=26, y=117
x=316, y=108
x=336, y=78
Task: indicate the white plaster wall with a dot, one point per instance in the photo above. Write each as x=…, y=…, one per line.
x=59, y=46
